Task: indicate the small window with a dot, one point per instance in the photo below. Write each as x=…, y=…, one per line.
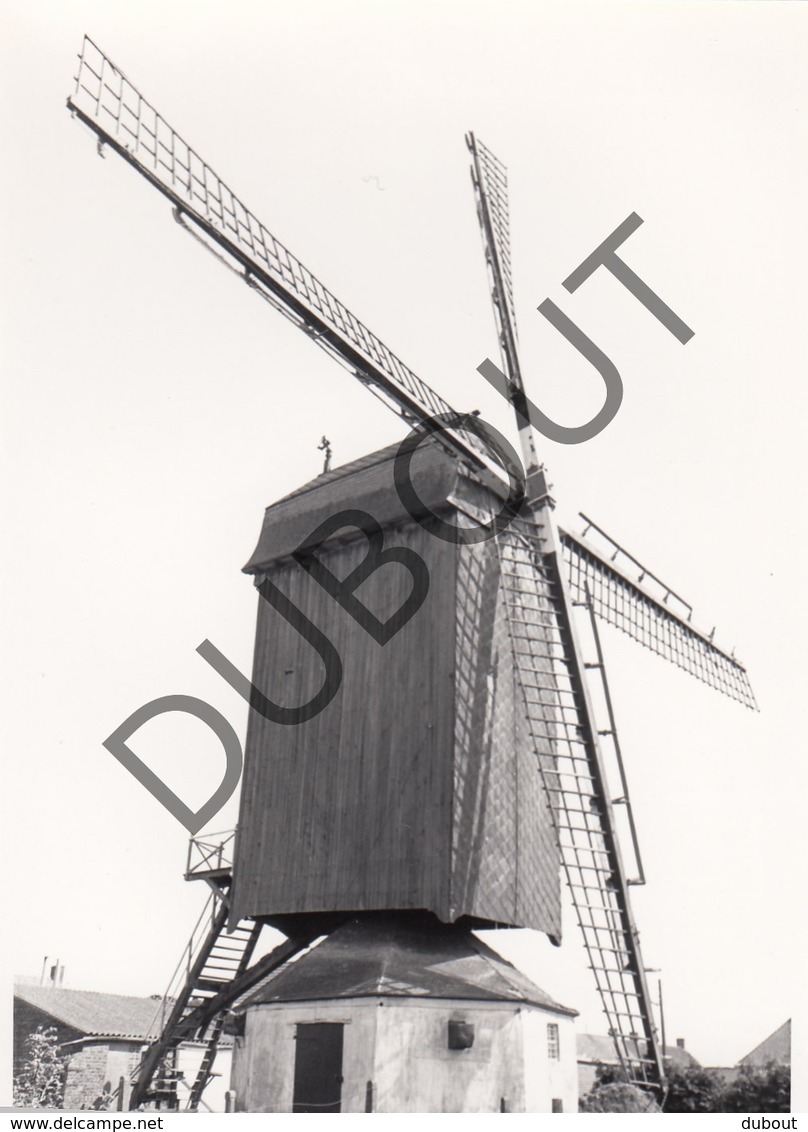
x=553, y=1049
x=558, y=1104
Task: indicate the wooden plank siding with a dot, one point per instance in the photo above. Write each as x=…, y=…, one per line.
x=352, y=809
x=506, y=863
x=417, y=786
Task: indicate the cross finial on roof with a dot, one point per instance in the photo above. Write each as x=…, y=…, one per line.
x=325, y=446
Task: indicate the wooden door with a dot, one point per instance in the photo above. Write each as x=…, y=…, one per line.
x=318, y=1067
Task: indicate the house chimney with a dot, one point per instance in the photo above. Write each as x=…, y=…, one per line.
x=680, y=1043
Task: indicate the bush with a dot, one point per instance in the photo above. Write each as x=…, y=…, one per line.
x=690, y=1089
x=40, y=1082
x=758, y=1088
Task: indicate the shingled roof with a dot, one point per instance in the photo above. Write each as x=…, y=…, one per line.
x=777, y=1048
x=390, y=956
x=94, y=1013
x=598, y=1049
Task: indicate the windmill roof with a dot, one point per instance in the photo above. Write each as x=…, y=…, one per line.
x=391, y=956
x=317, y=483
x=366, y=484
x=95, y=1013
x=777, y=1047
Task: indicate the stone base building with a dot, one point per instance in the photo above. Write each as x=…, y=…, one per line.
x=403, y=1014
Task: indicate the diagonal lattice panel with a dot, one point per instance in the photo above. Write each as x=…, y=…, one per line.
x=564, y=739
x=629, y=606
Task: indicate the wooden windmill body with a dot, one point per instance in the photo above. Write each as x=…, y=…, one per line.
x=416, y=787
x=460, y=762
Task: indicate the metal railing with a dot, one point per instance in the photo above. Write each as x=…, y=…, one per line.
x=211, y=853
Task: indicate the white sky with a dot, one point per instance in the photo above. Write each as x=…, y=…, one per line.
x=153, y=407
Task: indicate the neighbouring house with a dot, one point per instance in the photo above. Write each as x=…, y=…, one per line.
x=595, y=1050
x=776, y=1049
x=102, y=1036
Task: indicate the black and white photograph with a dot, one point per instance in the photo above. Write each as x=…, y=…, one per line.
x=405, y=627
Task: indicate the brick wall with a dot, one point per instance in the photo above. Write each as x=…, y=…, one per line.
x=86, y=1075
x=97, y=1068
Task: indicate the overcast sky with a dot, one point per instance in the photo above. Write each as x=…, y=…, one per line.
x=154, y=407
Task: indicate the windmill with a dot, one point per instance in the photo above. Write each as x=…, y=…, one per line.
x=543, y=571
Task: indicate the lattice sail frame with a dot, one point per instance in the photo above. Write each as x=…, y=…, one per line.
x=551, y=674
x=572, y=771
x=622, y=602
x=106, y=101
x=616, y=597
x=490, y=177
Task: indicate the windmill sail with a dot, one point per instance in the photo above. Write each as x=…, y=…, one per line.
x=571, y=765
x=490, y=182
x=551, y=675
x=106, y=101
x=490, y=179
x=661, y=623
